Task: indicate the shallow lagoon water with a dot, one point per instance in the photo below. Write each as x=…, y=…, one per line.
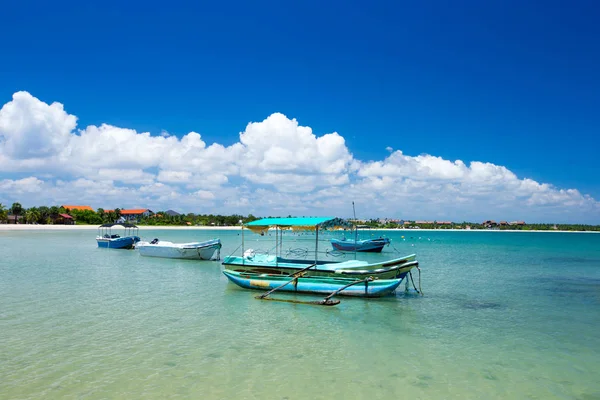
x=504, y=315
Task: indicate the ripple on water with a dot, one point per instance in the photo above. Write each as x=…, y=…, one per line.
x=78, y=322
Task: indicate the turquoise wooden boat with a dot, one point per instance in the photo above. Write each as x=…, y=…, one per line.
x=314, y=284
x=251, y=261
x=270, y=264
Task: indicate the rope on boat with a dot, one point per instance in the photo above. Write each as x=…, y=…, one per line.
x=413, y=282
x=335, y=253
x=233, y=252
x=297, y=252
x=302, y=252
x=394, y=247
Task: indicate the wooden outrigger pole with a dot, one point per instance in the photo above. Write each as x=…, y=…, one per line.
x=295, y=275
x=325, y=302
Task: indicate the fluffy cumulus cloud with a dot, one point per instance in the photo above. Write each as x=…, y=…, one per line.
x=276, y=167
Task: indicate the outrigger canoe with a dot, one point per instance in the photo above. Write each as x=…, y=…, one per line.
x=251, y=261
x=315, y=284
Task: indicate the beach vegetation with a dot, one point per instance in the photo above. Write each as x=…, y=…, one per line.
x=51, y=215
x=3, y=213
x=16, y=210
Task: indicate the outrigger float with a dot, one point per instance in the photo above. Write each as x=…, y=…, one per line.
x=347, y=278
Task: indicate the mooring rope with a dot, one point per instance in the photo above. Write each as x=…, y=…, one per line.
x=335, y=253
x=413, y=282
x=395, y=249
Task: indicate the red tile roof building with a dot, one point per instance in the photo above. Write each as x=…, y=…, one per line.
x=78, y=208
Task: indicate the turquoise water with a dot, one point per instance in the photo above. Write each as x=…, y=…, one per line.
x=504, y=315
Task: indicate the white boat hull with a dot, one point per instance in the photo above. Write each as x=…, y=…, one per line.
x=189, y=251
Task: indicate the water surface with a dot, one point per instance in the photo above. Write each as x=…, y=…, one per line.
x=504, y=315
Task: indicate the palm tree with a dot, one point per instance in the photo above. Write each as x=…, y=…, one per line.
x=44, y=214
x=32, y=215
x=101, y=214
x=16, y=209
x=54, y=212
x=3, y=213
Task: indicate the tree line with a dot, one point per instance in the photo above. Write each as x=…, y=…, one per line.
x=50, y=215
x=44, y=215
x=375, y=223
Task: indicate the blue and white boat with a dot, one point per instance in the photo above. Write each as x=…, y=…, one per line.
x=109, y=240
x=367, y=245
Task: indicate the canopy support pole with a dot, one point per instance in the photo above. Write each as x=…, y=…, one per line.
x=317, y=245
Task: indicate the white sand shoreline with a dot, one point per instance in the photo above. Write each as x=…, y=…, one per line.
x=25, y=227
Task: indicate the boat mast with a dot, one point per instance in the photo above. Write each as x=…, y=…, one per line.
x=355, y=230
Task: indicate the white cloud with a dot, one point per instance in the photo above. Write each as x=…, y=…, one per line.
x=31, y=129
x=21, y=186
x=205, y=195
x=277, y=167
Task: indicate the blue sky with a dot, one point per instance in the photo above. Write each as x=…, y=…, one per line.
x=514, y=84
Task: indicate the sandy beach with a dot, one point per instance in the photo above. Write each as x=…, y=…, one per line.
x=26, y=227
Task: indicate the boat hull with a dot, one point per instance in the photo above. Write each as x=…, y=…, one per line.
x=316, y=285
x=370, y=245
x=127, y=242
x=189, y=251
x=391, y=269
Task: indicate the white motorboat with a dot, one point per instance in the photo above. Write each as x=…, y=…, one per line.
x=192, y=251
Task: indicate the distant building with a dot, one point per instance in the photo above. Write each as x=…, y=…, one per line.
x=518, y=223
x=172, y=213
x=64, y=219
x=444, y=222
x=13, y=219
x=78, y=208
x=490, y=224
x=135, y=214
